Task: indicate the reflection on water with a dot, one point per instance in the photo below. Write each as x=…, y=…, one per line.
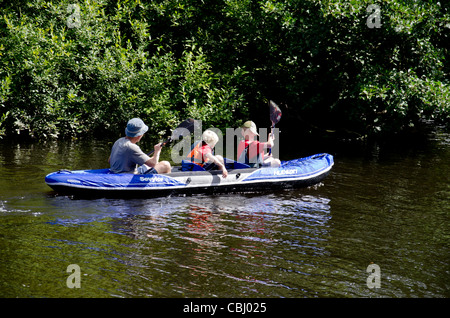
x=210, y=244
x=383, y=206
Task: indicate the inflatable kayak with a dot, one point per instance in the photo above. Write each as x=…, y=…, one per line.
x=192, y=179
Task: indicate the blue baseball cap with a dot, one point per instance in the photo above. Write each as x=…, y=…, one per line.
x=135, y=128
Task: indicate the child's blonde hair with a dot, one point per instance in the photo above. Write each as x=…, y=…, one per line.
x=210, y=137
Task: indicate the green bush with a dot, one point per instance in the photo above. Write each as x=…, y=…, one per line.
x=220, y=61
x=58, y=80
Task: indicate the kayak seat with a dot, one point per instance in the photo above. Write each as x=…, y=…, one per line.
x=231, y=164
x=190, y=166
x=187, y=165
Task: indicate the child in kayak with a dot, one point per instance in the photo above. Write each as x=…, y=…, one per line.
x=126, y=154
x=251, y=151
x=202, y=155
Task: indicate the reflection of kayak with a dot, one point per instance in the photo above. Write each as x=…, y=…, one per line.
x=292, y=174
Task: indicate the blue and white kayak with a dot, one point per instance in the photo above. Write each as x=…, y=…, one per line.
x=296, y=173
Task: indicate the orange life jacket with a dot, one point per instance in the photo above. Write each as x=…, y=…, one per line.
x=196, y=154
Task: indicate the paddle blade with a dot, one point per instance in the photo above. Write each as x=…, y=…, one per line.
x=185, y=128
x=275, y=113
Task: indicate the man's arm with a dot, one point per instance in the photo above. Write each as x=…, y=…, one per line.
x=155, y=158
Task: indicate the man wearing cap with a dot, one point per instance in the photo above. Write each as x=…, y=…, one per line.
x=251, y=151
x=126, y=154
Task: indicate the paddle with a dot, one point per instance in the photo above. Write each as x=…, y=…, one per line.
x=185, y=128
x=275, y=116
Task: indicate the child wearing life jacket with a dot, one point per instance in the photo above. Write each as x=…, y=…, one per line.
x=202, y=155
x=251, y=151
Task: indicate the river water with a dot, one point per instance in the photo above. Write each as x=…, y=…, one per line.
x=382, y=204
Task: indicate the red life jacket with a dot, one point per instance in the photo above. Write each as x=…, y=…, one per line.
x=199, y=152
x=251, y=153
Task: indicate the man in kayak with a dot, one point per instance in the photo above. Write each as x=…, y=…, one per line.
x=251, y=151
x=202, y=155
x=126, y=154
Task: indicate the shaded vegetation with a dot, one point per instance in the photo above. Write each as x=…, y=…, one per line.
x=75, y=68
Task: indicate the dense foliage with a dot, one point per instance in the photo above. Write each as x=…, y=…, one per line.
x=69, y=68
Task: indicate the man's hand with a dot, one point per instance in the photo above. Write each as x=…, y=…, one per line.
x=157, y=147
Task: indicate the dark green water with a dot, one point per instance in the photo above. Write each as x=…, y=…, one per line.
x=387, y=205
